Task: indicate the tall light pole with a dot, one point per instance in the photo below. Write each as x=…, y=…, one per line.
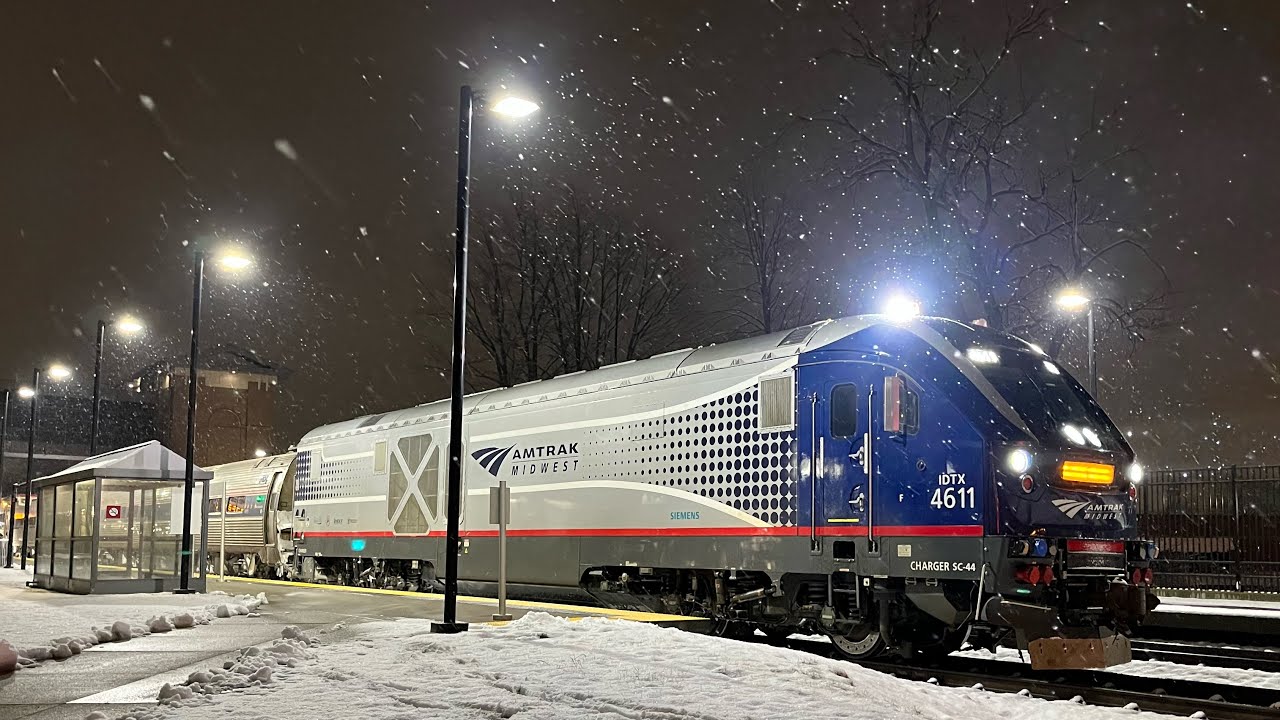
x=1074, y=301
x=231, y=261
x=125, y=325
x=13, y=489
x=511, y=107
x=56, y=372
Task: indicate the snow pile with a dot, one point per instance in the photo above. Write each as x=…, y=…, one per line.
x=551, y=669
x=255, y=667
x=37, y=625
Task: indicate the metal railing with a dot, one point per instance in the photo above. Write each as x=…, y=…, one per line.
x=1217, y=528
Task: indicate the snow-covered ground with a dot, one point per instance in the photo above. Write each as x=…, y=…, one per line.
x=1217, y=606
x=1163, y=670
x=547, y=668
x=37, y=625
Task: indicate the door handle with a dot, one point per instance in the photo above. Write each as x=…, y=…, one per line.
x=859, y=502
x=859, y=455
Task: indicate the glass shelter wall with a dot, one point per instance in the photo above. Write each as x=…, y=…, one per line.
x=116, y=535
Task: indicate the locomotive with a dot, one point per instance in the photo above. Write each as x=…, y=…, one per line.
x=901, y=486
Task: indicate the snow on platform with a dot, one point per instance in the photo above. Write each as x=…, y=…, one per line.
x=42, y=625
x=1159, y=669
x=1215, y=606
x=547, y=668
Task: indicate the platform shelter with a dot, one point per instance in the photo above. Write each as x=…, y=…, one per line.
x=113, y=523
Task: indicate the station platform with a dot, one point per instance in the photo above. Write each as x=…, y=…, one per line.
x=115, y=677
x=471, y=609
x=1223, y=619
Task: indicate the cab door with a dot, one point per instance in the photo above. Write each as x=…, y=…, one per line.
x=929, y=465
x=834, y=422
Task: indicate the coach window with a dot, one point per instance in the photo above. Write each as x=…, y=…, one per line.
x=844, y=410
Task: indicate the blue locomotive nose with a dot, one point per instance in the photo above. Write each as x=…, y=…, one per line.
x=1066, y=493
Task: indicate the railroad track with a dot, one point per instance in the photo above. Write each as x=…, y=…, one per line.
x=1096, y=687
x=1263, y=659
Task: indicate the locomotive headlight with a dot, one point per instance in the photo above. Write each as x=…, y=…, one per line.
x=1091, y=436
x=1018, y=461
x=983, y=356
x=1073, y=434
x=1134, y=473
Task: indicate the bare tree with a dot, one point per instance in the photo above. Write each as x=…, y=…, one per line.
x=613, y=287
x=954, y=128
x=507, y=301
x=568, y=285
x=761, y=232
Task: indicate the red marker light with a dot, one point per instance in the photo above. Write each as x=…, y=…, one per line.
x=1047, y=576
x=1136, y=578
x=1028, y=483
x=1029, y=574
x=1133, y=493
x=1096, y=546
x=1147, y=576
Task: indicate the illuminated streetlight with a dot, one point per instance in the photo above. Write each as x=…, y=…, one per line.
x=128, y=325
x=901, y=307
x=55, y=372
x=511, y=107
x=234, y=261
x=514, y=107
x=1073, y=300
x=230, y=260
x=26, y=393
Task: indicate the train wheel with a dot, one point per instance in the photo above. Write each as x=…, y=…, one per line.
x=863, y=643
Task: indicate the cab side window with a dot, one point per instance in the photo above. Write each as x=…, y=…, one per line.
x=910, y=411
x=844, y=410
x=901, y=406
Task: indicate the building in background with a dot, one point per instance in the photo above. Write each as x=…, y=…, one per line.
x=235, y=417
x=235, y=405
x=62, y=436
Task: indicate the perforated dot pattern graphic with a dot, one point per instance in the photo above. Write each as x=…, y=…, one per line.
x=715, y=450
x=336, y=479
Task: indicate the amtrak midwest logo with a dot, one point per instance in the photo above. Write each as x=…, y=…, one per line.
x=1101, y=511
x=533, y=460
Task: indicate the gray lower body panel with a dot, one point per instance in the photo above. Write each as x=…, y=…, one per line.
x=561, y=560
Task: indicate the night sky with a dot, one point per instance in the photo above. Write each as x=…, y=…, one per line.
x=321, y=138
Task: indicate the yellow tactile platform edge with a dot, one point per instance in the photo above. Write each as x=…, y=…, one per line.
x=579, y=610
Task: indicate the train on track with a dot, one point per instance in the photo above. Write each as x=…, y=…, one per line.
x=901, y=486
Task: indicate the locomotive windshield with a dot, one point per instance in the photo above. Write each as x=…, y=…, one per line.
x=1057, y=410
x=1053, y=405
